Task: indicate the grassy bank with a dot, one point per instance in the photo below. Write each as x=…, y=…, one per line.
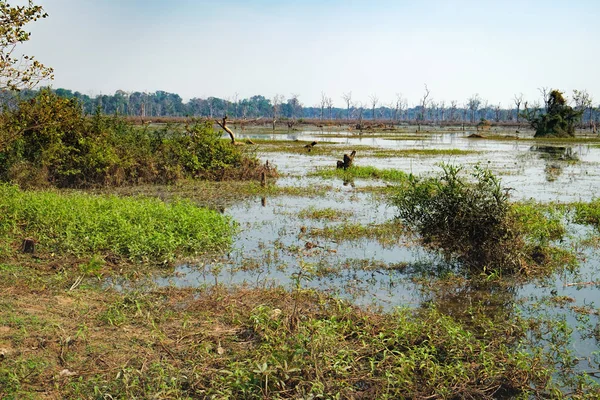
x=133, y=228
x=253, y=344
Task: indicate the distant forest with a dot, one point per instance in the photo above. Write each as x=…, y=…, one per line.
x=165, y=104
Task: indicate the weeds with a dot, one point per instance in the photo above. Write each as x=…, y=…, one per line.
x=367, y=172
x=136, y=229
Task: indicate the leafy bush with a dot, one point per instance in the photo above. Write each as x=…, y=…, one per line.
x=48, y=140
x=470, y=221
x=558, y=120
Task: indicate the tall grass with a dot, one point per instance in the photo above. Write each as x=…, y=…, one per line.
x=134, y=228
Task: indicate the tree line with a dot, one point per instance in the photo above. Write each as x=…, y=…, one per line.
x=426, y=110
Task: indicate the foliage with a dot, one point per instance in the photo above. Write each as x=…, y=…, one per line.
x=469, y=221
x=49, y=140
x=134, y=228
x=25, y=71
x=360, y=172
x=250, y=344
x=559, y=119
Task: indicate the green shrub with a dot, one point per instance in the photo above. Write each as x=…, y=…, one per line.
x=48, y=141
x=471, y=222
x=134, y=228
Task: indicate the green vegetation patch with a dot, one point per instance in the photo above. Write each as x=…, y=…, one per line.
x=386, y=234
x=48, y=141
x=359, y=172
x=328, y=214
x=134, y=228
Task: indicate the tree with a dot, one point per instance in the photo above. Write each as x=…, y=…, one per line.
x=374, y=100
x=424, y=102
x=473, y=103
x=518, y=100
x=558, y=120
x=348, y=100
x=19, y=72
x=583, y=102
x=277, y=100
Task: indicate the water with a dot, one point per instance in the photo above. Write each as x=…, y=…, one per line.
x=271, y=249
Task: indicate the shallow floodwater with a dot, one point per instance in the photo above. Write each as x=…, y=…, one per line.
x=274, y=247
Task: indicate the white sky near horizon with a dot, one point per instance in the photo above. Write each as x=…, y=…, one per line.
x=202, y=48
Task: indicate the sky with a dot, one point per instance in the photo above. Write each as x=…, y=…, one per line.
x=381, y=48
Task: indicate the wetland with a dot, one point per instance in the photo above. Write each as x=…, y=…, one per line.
x=308, y=285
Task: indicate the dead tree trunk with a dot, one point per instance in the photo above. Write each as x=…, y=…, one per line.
x=223, y=125
x=348, y=159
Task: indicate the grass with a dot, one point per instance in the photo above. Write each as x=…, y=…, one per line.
x=270, y=343
x=328, y=214
x=386, y=234
x=359, y=172
x=337, y=149
x=133, y=228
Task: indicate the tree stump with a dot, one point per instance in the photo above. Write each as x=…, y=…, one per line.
x=348, y=159
x=28, y=246
x=310, y=146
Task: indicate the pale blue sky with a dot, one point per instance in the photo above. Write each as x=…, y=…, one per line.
x=217, y=48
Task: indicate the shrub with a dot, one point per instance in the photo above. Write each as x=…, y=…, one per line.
x=559, y=119
x=472, y=222
x=48, y=140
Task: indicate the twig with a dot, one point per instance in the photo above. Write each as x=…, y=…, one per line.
x=76, y=283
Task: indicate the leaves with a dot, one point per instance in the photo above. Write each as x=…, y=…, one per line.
x=21, y=71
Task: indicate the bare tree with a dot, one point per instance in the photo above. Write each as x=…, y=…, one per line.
x=545, y=92
x=374, y=100
x=497, y=111
x=235, y=104
x=323, y=104
x=518, y=100
x=295, y=106
x=442, y=109
x=398, y=106
x=277, y=100
x=473, y=104
x=424, y=101
x=348, y=100
x=453, y=107
x=358, y=110
x=583, y=102
x=329, y=105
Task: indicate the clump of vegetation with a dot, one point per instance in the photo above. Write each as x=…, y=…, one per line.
x=47, y=140
x=559, y=120
x=329, y=214
x=366, y=172
x=133, y=228
x=473, y=222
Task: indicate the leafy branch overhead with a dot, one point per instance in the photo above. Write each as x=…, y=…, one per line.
x=19, y=72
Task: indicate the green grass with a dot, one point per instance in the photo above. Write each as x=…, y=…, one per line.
x=358, y=172
x=135, y=228
x=329, y=214
x=388, y=233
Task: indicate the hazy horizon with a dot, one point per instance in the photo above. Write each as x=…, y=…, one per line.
x=267, y=47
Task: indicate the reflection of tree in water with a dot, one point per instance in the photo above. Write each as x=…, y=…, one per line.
x=555, y=157
x=466, y=299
